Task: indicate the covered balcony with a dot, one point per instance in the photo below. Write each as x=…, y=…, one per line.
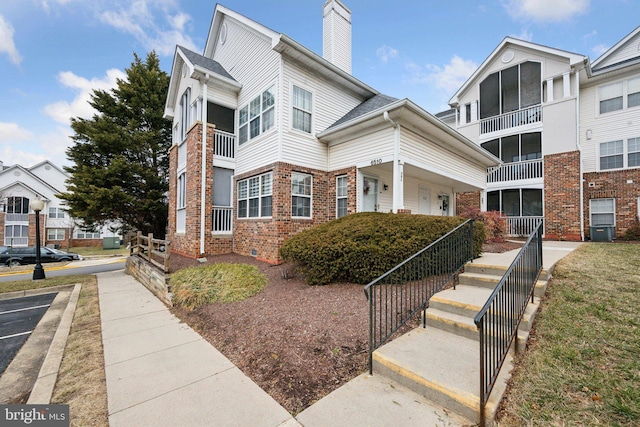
x=530, y=169
x=512, y=119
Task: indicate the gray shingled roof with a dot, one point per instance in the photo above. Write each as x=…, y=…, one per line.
x=445, y=113
x=207, y=63
x=371, y=104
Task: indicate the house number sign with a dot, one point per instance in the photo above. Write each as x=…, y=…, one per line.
x=376, y=162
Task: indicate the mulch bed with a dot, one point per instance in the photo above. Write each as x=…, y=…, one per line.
x=297, y=342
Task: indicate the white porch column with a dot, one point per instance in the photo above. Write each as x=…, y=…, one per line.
x=566, y=85
x=203, y=186
x=398, y=185
x=549, y=90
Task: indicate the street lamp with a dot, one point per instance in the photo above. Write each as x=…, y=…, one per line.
x=37, y=205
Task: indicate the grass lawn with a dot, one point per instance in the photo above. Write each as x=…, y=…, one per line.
x=93, y=251
x=583, y=363
x=81, y=381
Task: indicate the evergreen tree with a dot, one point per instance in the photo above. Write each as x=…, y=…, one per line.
x=121, y=154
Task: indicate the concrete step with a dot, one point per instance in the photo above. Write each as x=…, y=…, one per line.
x=443, y=368
x=467, y=301
x=490, y=281
x=498, y=270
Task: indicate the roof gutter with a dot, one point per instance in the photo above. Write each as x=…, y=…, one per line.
x=398, y=166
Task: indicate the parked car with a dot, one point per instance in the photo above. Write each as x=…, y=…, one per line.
x=27, y=255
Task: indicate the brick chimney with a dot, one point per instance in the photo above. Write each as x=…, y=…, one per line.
x=336, y=37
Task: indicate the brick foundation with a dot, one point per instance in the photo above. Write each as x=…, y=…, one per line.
x=614, y=184
x=562, y=196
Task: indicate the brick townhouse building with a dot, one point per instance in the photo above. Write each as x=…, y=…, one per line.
x=568, y=132
x=270, y=138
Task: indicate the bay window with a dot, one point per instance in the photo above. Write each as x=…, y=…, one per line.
x=257, y=117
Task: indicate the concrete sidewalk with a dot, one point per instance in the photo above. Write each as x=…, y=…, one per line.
x=161, y=373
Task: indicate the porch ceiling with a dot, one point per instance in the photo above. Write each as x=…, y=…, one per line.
x=455, y=185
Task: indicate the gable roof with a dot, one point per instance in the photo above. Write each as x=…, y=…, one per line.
x=574, y=58
x=619, y=55
x=28, y=172
x=196, y=66
x=371, y=104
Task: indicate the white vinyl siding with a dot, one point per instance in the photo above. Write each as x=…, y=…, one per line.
x=435, y=158
x=301, y=193
x=603, y=212
x=329, y=104
x=378, y=145
x=249, y=57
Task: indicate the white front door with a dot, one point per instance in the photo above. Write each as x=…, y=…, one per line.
x=369, y=194
x=424, y=203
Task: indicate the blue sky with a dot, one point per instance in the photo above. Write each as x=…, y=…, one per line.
x=53, y=53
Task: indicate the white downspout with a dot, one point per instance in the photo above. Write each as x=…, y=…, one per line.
x=580, y=154
x=203, y=184
x=398, y=167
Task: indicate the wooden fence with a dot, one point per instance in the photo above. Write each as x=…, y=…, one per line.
x=154, y=251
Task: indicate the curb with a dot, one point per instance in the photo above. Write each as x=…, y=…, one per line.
x=46, y=381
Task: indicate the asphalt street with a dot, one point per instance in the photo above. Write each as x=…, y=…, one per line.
x=18, y=318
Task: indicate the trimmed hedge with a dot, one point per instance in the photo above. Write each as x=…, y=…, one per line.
x=361, y=247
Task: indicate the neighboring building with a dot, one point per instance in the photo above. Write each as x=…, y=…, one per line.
x=20, y=185
x=567, y=130
x=292, y=140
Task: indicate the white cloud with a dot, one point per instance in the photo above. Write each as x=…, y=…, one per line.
x=12, y=156
x=545, y=10
x=524, y=35
x=599, y=49
x=139, y=20
x=7, y=44
x=63, y=111
x=448, y=77
x=10, y=133
x=386, y=53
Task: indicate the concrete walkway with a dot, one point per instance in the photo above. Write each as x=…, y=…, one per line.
x=162, y=373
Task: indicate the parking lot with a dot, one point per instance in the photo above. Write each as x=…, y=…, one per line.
x=18, y=318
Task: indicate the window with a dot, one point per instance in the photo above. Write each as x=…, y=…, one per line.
x=301, y=109
x=633, y=90
x=55, y=234
x=16, y=232
x=257, y=117
x=86, y=234
x=516, y=202
x=633, y=152
x=611, y=155
x=603, y=212
x=56, y=213
x=341, y=196
x=516, y=148
x=17, y=205
x=301, y=195
x=511, y=89
x=467, y=113
x=255, y=196
x=185, y=113
x=610, y=97
x=181, y=203
x=619, y=95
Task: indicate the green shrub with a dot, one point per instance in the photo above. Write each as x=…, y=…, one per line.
x=360, y=247
x=196, y=286
x=633, y=232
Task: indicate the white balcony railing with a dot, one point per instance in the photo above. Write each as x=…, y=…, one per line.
x=17, y=217
x=522, y=225
x=529, y=169
x=222, y=220
x=224, y=144
x=509, y=120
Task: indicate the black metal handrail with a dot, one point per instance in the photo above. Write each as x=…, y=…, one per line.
x=500, y=317
x=402, y=291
